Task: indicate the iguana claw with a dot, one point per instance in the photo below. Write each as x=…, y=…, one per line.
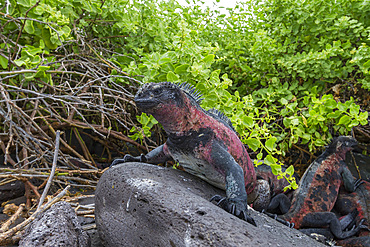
x=129, y=158
x=363, y=226
x=358, y=182
x=275, y=217
x=233, y=208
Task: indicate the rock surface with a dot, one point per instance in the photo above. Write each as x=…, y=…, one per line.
x=58, y=226
x=11, y=190
x=144, y=205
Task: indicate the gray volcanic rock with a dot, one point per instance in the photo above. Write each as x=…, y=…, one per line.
x=58, y=226
x=139, y=204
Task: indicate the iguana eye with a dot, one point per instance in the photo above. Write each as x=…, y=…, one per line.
x=157, y=91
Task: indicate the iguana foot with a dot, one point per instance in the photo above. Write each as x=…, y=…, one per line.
x=322, y=219
x=275, y=217
x=129, y=158
x=363, y=226
x=234, y=208
x=352, y=232
x=279, y=203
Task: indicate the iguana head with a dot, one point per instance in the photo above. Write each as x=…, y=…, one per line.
x=341, y=145
x=153, y=96
x=169, y=103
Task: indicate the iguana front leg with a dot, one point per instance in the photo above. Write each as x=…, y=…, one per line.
x=156, y=156
x=322, y=219
x=235, y=201
x=347, y=222
x=280, y=203
x=350, y=184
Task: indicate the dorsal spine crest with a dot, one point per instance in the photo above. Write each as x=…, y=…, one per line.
x=221, y=116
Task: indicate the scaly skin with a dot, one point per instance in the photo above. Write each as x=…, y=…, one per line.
x=318, y=190
x=360, y=201
x=203, y=142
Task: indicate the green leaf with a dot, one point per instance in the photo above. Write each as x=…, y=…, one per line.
x=344, y=120
x=41, y=71
x=181, y=69
x=334, y=115
x=164, y=60
x=19, y=62
x=270, y=143
x=27, y=3
x=270, y=160
x=253, y=143
x=354, y=109
x=46, y=36
x=209, y=58
x=290, y=170
x=331, y=103
x=66, y=30
x=283, y=101
x=367, y=64
x=248, y=121
x=172, y=77
x=28, y=27
x=3, y=62
x=353, y=123
x=259, y=156
x=275, y=168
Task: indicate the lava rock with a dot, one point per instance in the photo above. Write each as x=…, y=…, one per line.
x=363, y=241
x=359, y=163
x=58, y=226
x=139, y=204
x=11, y=190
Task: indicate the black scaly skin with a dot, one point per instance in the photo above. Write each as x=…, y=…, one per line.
x=203, y=142
x=359, y=201
x=318, y=190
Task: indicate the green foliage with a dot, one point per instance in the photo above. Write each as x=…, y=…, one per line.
x=269, y=66
x=147, y=123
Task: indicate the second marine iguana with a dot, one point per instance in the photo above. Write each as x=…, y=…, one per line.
x=203, y=142
x=318, y=190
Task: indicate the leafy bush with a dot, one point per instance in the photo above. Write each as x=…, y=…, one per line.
x=270, y=66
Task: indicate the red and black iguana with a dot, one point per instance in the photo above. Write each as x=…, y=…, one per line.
x=204, y=143
x=318, y=191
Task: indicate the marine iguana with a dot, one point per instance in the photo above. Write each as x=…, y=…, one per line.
x=318, y=190
x=203, y=142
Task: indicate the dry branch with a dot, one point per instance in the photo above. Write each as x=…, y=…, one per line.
x=52, y=170
x=77, y=95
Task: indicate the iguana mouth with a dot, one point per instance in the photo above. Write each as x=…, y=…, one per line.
x=145, y=104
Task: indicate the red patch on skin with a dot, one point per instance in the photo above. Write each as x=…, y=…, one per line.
x=320, y=193
x=360, y=200
x=179, y=120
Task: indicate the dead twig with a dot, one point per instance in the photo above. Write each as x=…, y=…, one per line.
x=44, y=193
x=12, y=219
